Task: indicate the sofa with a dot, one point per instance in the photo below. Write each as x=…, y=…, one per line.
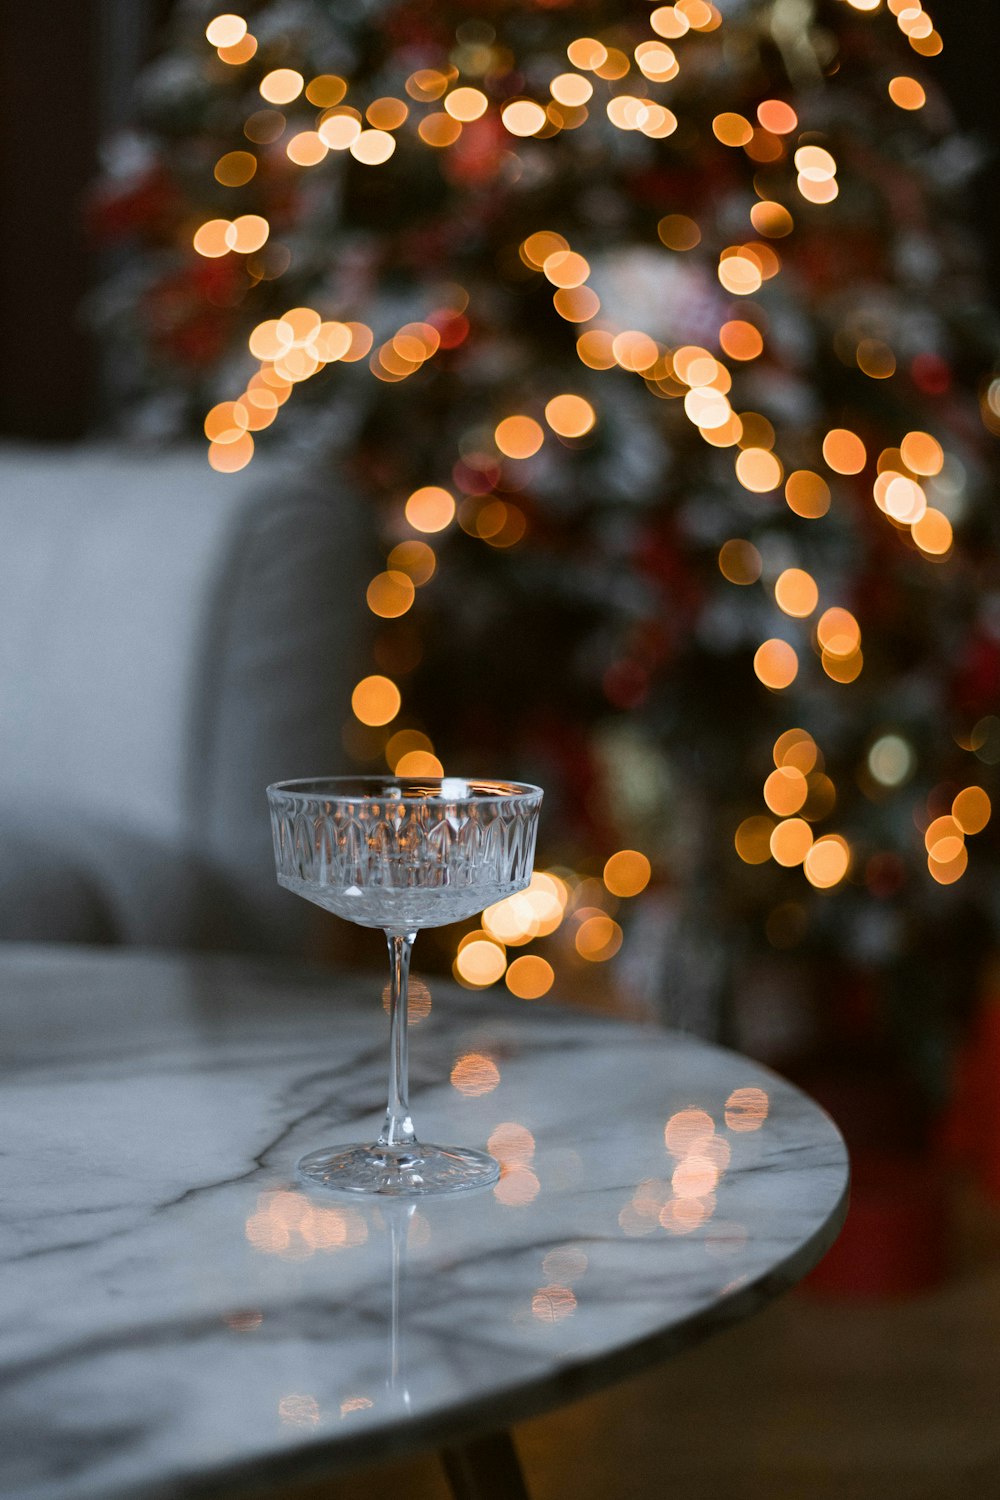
x=171, y=640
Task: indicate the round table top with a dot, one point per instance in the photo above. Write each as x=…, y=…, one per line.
x=181, y=1317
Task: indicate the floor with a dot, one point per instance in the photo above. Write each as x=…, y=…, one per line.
x=812, y=1400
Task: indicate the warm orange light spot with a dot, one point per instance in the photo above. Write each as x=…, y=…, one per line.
x=231, y=456
x=791, y=841
x=272, y=339
x=746, y=1109
x=757, y=431
x=827, y=862
x=550, y=1304
x=518, y=1186
x=944, y=839
x=227, y=422
x=615, y=65
x=777, y=116
x=907, y=93
x=519, y=437
x=678, y=232
x=523, y=117
x=307, y=149
x=740, y=340
x=466, y=104
x=325, y=90
x=281, y=86
x=530, y=977
x=416, y=342
x=946, y=872
x=387, y=113
x=807, y=494
x=211, y=239
x=304, y=323
x=439, y=130
x=694, y=1177
x=595, y=349
x=587, y=52
x=844, y=451
x=240, y=52
x=339, y=132
x=415, y=559
x=732, y=129
x=512, y=1144
x=598, y=938
x=971, y=809
x=838, y=632
x=927, y=46
x=842, y=668
x=740, y=274
x=430, y=509
x=419, y=763
x=875, y=359
x=570, y=416
x=627, y=873
x=474, y=1073
x=362, y=339
x=390, y=594
x=419, y=999
x=331, y=341
x=537, y=248
x=376, y=700
x=402, y=742
x=669, y=21
x=576, y=304
x=564, y=268
x=739, y=561
x=771, y=219
x=702, y=17
x=426, y=84
x=707, y=408
x=785, y=791
x=753, y=840
x=796, y=593
x=823, y=191
x=776, y=664
x=226, y=31
x=656, y=61
x=634, y=350
x=687, y=1130
x=684, y=1215
x=815, y=164
x=796, y=747
x=571, y=89
x=247, y=233
x=758, y=470
x=922, y=453
x=235, y=168
x=373, y=147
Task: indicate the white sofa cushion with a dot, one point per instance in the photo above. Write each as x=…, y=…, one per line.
x=171, y=640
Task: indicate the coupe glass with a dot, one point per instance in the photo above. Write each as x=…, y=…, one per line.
x=402, y=853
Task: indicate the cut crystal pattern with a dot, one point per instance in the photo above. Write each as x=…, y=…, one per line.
x=410, y=858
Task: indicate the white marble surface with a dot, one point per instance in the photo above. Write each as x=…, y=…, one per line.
x=179, y=1319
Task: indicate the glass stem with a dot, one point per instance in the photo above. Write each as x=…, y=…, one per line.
x=398, y=1128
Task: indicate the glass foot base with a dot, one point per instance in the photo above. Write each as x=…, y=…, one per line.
x=399, y=1171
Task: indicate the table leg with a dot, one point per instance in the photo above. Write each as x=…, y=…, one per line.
x=485, y=1469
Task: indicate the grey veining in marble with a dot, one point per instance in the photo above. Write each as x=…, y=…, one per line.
x=181, y=1319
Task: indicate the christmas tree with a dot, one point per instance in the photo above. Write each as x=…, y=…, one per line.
x=654, y=340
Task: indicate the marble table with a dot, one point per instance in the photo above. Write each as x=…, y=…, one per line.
x=181, y=1320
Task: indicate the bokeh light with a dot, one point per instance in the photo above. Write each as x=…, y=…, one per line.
x=627, y=873
x=776, y=664
x=376, y=700
x=530, y=977
x=430, y=509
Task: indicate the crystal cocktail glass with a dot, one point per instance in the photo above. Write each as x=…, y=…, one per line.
x=402, y=853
